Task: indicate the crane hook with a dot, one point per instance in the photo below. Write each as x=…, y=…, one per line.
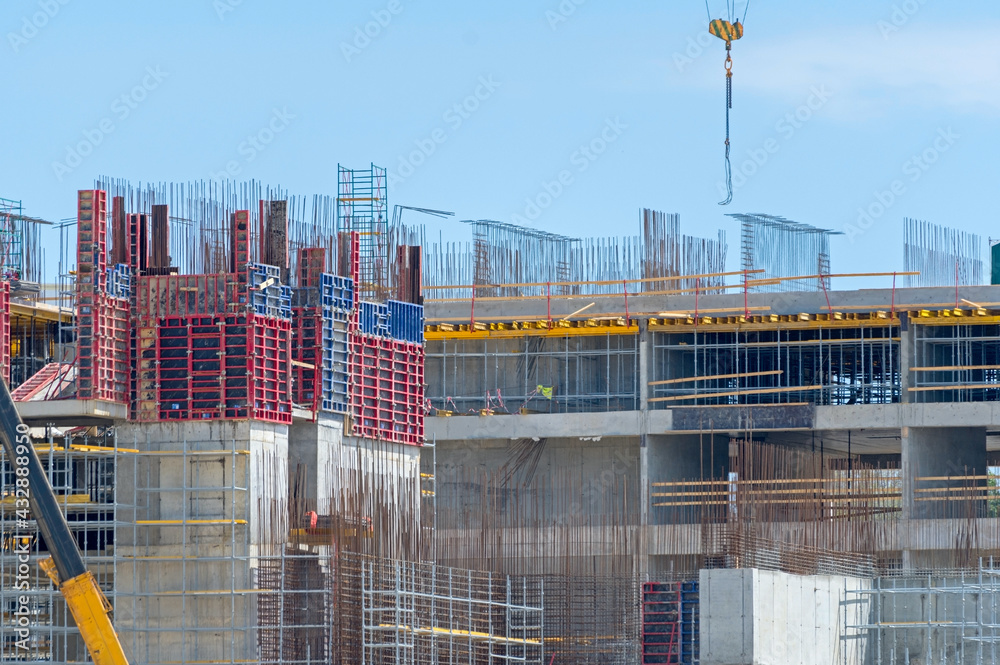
x=728, y=32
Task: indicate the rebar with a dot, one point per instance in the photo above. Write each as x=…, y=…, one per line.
x=943, y=256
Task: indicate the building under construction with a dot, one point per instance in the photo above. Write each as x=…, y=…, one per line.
x=284, y=430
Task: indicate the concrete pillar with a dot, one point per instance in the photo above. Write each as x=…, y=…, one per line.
x=645, y=362
x=313, y=456
x=936, y=452
x=906, y=356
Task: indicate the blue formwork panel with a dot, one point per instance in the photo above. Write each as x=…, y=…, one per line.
x=285, y=300
x=334, y=361
x=336, y=291
x=373, y=318
x=334, y=341
x=260, y=272
x=406, y=321
x=272, y=300
x=119, y=281
x=334, y=388
x=689, y=623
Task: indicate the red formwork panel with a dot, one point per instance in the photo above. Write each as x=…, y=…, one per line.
x=103, y=349
x=386, y=389
x=5, y=329
x=270, y=361
x=312, y=264
x=91, y=239
x=307, y=350
x=241, y=243
x=233, y=366
x=158, y=296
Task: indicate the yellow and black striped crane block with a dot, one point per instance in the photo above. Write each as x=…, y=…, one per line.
x=726, y=31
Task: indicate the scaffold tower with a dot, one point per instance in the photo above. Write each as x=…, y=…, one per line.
x=361, y=207
x=11, y=238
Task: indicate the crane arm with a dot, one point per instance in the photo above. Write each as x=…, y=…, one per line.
x=66, y=568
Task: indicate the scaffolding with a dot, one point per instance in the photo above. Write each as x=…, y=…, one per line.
x=81, y=470
x=362, y=207
x=423, y=613
x=931, y=619
x=955, y=362
x=537, y=374
x=194, y=544
x=699, y=365
x=11, y=238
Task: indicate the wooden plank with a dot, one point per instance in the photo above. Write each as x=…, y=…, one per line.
x=957, y=386
x=775, y=280
x=716, y=376
x=756, y=391
x=738, y=406
x=606, y=282
x=950, y=478
x=952, y=368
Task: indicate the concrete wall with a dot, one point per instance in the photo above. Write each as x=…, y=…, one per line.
x=756, y=617
x=192, y=529
x=937, y=452
x=571, y=473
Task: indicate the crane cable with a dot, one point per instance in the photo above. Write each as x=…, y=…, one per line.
x=728, y=32
x=729, y=105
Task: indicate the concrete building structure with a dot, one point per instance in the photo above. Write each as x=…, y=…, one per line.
x=900, y=380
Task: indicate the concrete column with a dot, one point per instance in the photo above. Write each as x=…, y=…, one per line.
x=645, y=362
x=312, y=451
x=935, y=452
x=906, y=334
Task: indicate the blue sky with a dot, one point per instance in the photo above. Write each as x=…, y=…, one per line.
x=832, y=103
